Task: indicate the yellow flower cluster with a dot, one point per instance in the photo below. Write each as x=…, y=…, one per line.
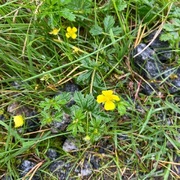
x=71, y=32
x=108, y=98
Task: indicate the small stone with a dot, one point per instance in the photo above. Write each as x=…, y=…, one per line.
x=59, y=126
x=173, y=79
x=147, y=62
x=2, y=117
x=52, y=154
x=86, y=169
x=6, y=178
x=148, y=53
x=13, y=108
x=95, y=162
x=162, y=48
x=70, y=145
x=149, y=89
x=25, y=167
x=16, y=85
x=71, y=87
x=60, y=169
x=32, y=122
x=16, y=108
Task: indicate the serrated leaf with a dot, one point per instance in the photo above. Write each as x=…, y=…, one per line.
x=108, y=23
x=79, y=98
x=89, y=64
x=64, y=2
x=79, y=5
x=67, y=14
x=116, y=30
x=84, y=78
x=165, y=37
x=176, y=22
x=96, y=30
x=169, y=27
x=121, y=5
x=121, y=110
x=87, y=103
x=122, y=106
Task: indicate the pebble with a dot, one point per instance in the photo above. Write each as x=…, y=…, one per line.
x=148, y=89
x=70, y=145
x=162, y=48
x=86, y=169
x=60, y=126
x=60, y=169
x=71, y=87
x=52, y=154
x=147, y=63
x=25, y=167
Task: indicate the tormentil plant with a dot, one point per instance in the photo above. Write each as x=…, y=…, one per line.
x=52, y=109
x=89, y=120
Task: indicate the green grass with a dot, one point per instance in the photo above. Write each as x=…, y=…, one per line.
x=140, y=144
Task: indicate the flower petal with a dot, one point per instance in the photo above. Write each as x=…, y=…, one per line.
x=87, y=138
x=115, y=97
x=74, y=36
x=109, y=105
x=55, y=31
x=107, y=93
x=101, y=98
x=74, y=29
x=69, y=29
x=67, y=35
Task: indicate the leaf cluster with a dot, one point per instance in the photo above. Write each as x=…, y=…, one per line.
x=52, y=108
x=86, y=114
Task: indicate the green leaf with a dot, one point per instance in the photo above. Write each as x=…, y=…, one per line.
x=84, y=78
x=63, y=2
x=121, y=5
x=166, y=37
x=108, y=23
x=122, y=106
x=87, y=103
x=176, y=22
x=149, y=114
x=96, y=30
x=171, y=36
x=173, y=107
x=80, y=5
x=121, y=109
x=67, y=14
x=169, y=27
x=117, y=30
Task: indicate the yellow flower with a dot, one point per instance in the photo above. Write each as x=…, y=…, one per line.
x=86, y=138
x=71, y=32
x=18, y=121
x=75, y=49
x=108, y=98
x=55, y=31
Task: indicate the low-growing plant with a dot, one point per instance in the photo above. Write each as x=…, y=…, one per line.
x=90, y=120
x=52, y=108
